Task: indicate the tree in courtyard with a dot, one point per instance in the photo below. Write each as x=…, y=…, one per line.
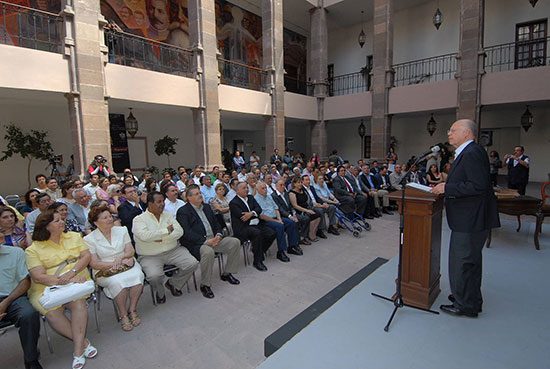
x=165, y=146
x=33, y=145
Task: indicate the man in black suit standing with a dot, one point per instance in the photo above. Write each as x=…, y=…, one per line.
x=471, y=212
x=130, y=208
x=245, y=213
x=276, y=159
x=203, y=237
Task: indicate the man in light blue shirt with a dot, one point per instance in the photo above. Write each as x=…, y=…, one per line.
x=282, y=226
x=208, y=191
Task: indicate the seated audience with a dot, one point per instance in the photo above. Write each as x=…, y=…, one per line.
x=225, y=178
x=114, y=265
x=172, y=202
x=146, y=176
x=166, y=179
x=30, y=202
x=268, y=179
x=282, y=199
x=130, y=208
x=433, y=176
x=114, y=180
x=43, y=200
x=215, y=175
x=233, y=189
x=57, y=257
x=41, y=185
x=348, y=194
x=14, y=305
x=220, y=206
x=203, y=238
x=156, y=234
x=151, y=185
x=13, y=235
x=299, y=201
x=283, y=227
x=378, y=196
x=445, y=171
x=207, y=190
x=245, y=212
x=396, y=177
x=114, y=198
x=416, y=177
x=238, y=161
x=182, y=173
x=181, y=182
x=242, y=175
x=254, y=160
x=251, y=182
x=92, y=187
x=78, y=211
x=197, y=174
x=321, y=208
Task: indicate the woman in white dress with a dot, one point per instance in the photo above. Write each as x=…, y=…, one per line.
x=113, y=254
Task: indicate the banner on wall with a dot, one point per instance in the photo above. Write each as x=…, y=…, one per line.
x=119, y=143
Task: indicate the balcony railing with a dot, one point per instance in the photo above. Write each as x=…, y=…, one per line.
x=437, y=68
x=30, y=28
x=139, y=52
x=351, y=83
x=242, y=75
x=517, y=55
x=298, y=86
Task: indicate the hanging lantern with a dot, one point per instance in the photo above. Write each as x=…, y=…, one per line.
x=362, y=36
x=527, y=119
x=131, y=124
x=533, y=2
x=432, y=125
x=361, y=130
x=438, y=18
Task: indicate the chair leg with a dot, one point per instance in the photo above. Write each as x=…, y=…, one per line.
x=96, y=316
x=153, y=294
x=195, y=281
x=46, y=333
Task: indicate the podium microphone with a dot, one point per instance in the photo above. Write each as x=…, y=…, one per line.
x=434, y=150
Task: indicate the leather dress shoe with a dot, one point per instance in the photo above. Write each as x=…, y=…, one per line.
x=451, y=309
x=229, y=278
x=33, y=365
x=207, y=292
x=282, y=256
x=260, y=266
x=160, y=300
x=377, y=213
x=295, y=250
x=304, y=241
x=386, y=211
x=368, y=216
x=452, y=299
x=175, y=292
x=333, y=231
x=321, y=234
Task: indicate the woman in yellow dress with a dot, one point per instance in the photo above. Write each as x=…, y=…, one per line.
x=57, y=257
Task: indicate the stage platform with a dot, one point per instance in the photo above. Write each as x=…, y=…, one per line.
x=512, y=332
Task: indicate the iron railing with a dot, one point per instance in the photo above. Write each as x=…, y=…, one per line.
x=436, y=68
x=30, y=28
x=242, y=75
x=351, y=83
x=517, y=55
x=298, y=86
x=139, y=52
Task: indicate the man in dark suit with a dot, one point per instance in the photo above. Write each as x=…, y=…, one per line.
x=375, y=197
x=203, y=237
x=276, y=159
x=346, y=192
x=130, y=208
x=471, y=212
x=382, y=182
x=245, y=213
x=281, y=198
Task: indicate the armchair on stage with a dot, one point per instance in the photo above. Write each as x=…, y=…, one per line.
x=421, y=246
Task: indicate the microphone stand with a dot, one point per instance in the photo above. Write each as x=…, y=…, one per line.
x=398, y=300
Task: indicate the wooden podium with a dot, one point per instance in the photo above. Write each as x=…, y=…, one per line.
x=421, y=246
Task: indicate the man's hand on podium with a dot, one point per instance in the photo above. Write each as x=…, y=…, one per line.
x=439, y=189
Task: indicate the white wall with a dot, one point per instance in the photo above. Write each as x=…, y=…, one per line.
x=501, y=17
x=51, y=114
x=342, y=136
x=344, y=51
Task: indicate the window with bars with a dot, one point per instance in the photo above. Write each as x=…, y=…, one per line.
x=531, y=44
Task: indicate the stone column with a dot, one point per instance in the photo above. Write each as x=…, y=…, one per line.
x=319, y=76
x=273, y=62
x=206, y=118
x=88, y=108
x=382, y=77
x=470, y=60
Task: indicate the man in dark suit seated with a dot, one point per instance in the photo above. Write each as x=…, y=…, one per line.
x=471, y=212
x=203, y=237
x=281, y=198
x=245, y=212
x=130, y=208
x=382, y=182
x=79, y=209
x=347, y=194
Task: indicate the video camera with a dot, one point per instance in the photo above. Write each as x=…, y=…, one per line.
x=55, y=159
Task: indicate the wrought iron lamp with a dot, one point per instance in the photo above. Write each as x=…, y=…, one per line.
x=533, y=2
x=438, y=17
x=432, y=125
x=362, y=131
x=362, y=37
x=131, y=124
x=527, y=119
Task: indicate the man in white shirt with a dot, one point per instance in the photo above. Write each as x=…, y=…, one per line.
x=254, y=160
x=92, y=187
x=53, y=189
x=197, y=174
x=518, y=169
x=172, y=203
x=242, y=175
x=79, y=210
x=44, y=201
x=233, y=190
x=156, y=233
x=208, y=191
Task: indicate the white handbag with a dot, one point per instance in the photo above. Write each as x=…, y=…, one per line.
x=54, y=296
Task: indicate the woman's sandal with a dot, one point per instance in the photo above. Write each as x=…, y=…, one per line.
x=78, y=362
x=134, y=318
x=90, y=351
x=126, y=324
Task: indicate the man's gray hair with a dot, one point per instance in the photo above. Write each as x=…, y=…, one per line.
x=77, y=190
x=471, y=125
